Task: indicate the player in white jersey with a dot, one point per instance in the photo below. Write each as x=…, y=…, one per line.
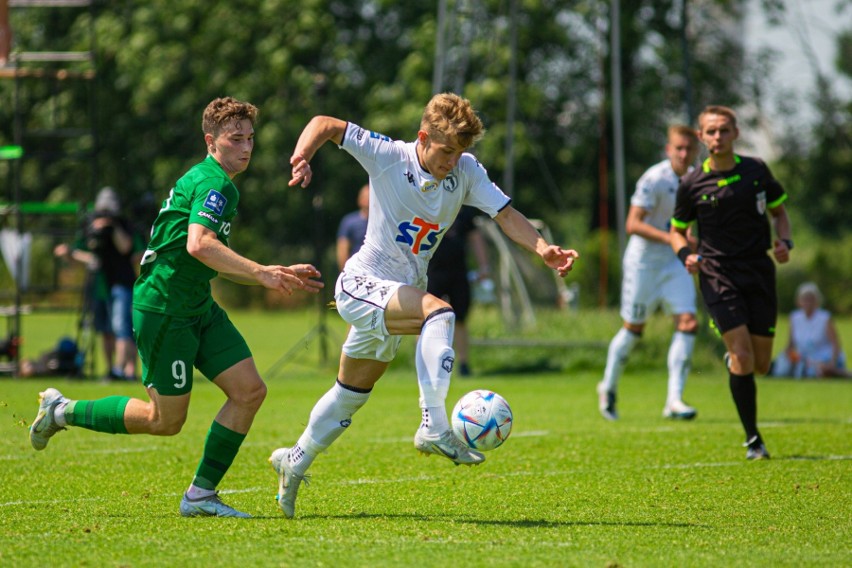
x=416, y=191
x=653, y=276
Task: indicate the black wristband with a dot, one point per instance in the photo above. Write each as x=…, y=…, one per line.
x=683, y=253
x=788, y=242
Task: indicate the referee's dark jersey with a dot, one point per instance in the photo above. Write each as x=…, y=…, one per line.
x=730, y=208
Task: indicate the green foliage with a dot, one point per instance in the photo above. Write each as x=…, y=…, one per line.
x=816, y=259
x=819, y=180
x=831, y=269
x=159, y=63
x=371, y=62
x=818, y=174
x=589, y=268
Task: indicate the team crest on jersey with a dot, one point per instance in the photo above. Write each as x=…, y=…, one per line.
x=215, y=202
x=450, y=183
x=761, y=202
x=419, y=234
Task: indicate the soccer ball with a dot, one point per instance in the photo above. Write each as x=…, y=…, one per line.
x=482, y=419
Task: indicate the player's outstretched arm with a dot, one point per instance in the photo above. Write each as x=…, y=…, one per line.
x=518, y=228
x=317, y=132
x=203, y=245
x=287, y=279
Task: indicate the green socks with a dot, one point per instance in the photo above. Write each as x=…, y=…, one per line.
x=102, y=415
x=107, y=415
x=219, y=452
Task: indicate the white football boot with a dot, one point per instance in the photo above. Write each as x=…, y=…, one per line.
x=606, y=403
x=44, y=426
x=288, y=481
x=679, y=410
x=447, y=445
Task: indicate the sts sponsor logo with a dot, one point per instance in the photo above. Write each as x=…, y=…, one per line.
x=419, y=234
x=379, y=136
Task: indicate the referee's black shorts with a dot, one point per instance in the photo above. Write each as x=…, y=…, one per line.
x=741, y=292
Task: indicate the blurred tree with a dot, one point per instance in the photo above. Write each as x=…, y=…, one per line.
x=371, y=61
x=827, y=189
x=815, y=160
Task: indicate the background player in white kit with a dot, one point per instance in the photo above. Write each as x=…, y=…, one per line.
x=654, y=276
x=416, y=191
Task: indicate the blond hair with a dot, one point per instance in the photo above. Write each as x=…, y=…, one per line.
x=449, y=117
x=720, y=110
x=683, y=130
x=223, y=111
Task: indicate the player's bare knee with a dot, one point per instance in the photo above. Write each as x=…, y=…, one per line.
x=635, y=328
x=686, y=323
x=432, y=304
x=761, y=367
x=167, y=425
x=742, y=358
x=258, y=394
x=251, y=396
x=445, y=312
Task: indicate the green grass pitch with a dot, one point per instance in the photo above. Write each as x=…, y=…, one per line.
x=567, y=488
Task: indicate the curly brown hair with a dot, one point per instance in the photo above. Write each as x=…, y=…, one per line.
x=224, y=110
x=450, y=117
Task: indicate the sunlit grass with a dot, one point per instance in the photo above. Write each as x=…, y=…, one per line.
x=567, y=488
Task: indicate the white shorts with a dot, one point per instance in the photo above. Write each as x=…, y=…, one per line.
x=361, y=302
x=646, y=287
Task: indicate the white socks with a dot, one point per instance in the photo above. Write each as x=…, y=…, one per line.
x=332, y=413
x=434, y=360
x=330, y=417
x=679, y=361
x=194, y=492
x=619, y=348
x=59, y=414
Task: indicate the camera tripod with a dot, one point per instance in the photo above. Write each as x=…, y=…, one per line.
x=320, y=330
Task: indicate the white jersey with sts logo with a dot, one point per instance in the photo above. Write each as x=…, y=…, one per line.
x=409, y=208
x=655, y=192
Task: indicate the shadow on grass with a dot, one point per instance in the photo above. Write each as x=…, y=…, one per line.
x=775, y=421
x=813, y=458
x=521, y=524
x=805, y=420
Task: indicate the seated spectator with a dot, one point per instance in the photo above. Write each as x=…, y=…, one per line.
x=813, y=349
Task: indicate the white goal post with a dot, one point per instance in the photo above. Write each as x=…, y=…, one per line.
x=515, y=303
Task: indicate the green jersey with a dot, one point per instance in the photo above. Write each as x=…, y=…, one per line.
x=171, y=281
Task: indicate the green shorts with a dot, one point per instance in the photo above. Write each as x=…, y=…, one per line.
x=170, y=347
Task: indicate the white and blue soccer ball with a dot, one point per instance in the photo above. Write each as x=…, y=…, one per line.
x=482, y=419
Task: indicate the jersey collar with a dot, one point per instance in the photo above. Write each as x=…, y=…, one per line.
x=705, y=166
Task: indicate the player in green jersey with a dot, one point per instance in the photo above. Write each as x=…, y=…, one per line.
x=178, y=326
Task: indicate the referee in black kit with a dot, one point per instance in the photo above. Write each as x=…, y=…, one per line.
x=729, y=196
